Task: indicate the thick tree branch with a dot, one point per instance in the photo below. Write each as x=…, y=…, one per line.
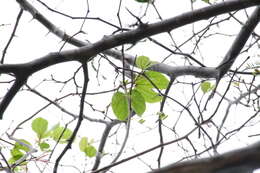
x=159, y=27
x=237, y=46
x=90, y=50
x=19, y=82
x=148, y=30
x=155, y=28
x=243, y=160
x=239, y=42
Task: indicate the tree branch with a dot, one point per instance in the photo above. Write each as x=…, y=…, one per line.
x=80, y=118
x=239, y=42
x=87, y=52
x=239, y=161
x=19, y=82
x=237, y=46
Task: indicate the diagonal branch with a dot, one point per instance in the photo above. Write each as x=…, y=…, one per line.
x=19, y=82
x=148, y=30
x=237, y=46
x=88, y=51
x=12, y=36
x=243, y=160
x=239, y=42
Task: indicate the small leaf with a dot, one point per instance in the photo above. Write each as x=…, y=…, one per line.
x=205, y=86
x=137, y=102
x=162, y=116
x=39, y=126
x=143, y=62
x=57, y=133
x=86, y=147
x=11, y=160
x=44, y=146
x=154, y=78
x=90, y=151
x=49, y=133
x=46, y=134
x=149, y=95
x=141, y=121
x=22, y=147
x=83, y=144
x=16, y=154
x=120, y=105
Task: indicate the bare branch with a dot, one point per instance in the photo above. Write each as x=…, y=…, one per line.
x=80, y=118
x=243, y=160
x=239, y=42
x=12, y=35
x=237, y=46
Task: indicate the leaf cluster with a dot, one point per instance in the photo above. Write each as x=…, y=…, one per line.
x=57, y=133
x=144, y=89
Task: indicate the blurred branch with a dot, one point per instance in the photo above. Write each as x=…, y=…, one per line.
x=243, y=160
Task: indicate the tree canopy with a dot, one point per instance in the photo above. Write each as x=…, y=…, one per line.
x=134, y=85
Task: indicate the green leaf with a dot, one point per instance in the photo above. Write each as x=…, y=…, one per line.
x=11, y=161
x=143, y=1
x=162, y=116
x=149, y=95
x=90, y=151
x=18, y=151
x=87, y=148
x=156, y=78
x=141, y=121
x=56, y=133
x=16, y=154
x=205, y=87
x=120, y=105
x=39, y=126
x=83, y=144
x=19, y=146
x=44, y=146
x=143, y=62
x=137, y=102
x=46, y=134
x=207, y=1
x=49, y=132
